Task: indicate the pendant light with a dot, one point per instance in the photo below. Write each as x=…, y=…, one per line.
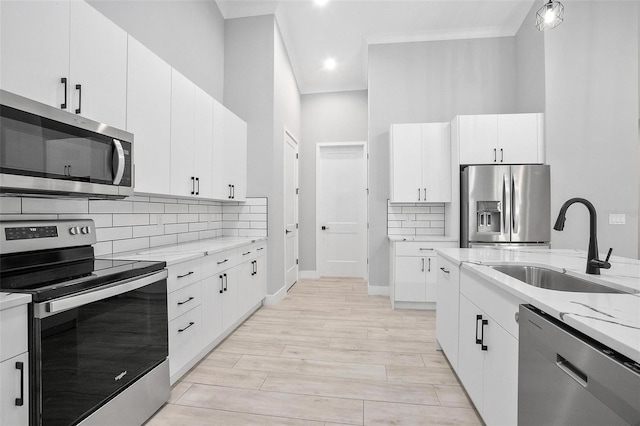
x=550, y=15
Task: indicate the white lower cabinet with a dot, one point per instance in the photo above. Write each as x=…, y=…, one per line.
x=414, y=273
x=14, y=367
x=207, y=299
x=447, y=309
x=488, y=349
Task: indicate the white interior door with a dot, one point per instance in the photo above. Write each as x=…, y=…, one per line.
x=341, y=204
x=291, y=209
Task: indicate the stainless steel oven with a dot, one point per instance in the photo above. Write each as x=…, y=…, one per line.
x=45, y=150
x=98, y=335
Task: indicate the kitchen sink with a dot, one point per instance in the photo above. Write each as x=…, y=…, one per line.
x=552, y=280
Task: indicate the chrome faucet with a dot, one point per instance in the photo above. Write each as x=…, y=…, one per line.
x=593, y=263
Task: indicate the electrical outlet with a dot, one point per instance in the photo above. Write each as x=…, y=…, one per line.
x=617, y=218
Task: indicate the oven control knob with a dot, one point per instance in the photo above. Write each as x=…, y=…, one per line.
x=85, y=230
x=74, y=230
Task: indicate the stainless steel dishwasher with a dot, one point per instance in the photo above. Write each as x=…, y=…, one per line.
x=567, y=378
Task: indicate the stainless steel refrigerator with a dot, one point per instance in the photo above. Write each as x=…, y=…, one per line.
x=505, y=205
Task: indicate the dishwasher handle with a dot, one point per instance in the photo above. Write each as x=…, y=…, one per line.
x=572, y=371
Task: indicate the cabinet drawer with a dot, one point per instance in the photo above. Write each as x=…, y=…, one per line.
x=252, y=251
x=214, y=263
x=185, y=341
x=13, y=332
x=183, y=274
x=497, y=303
x=184, y=300
x=424, y=249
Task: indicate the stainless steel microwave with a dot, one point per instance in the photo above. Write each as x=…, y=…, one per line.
x=48, y=151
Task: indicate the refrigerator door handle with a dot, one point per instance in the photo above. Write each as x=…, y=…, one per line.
x=504, y=204
x=514, y=208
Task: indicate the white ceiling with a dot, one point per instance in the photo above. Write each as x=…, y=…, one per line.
x=342, y=29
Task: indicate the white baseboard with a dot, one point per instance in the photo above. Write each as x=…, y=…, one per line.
x=424, y=306
x=378, y=290
x=273, y=299
x=310, y=275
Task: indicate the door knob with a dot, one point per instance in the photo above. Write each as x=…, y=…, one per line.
x=324, y=228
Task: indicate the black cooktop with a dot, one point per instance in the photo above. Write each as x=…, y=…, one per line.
x=49, y=280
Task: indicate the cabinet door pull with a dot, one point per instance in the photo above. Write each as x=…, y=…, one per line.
x=63, y=80
x=444, y=270
x=501, y=155
x=429, y=267
x=229, y=191
x=20, y=366
x=482, y=345
x=79, y=89
x=224, y=276
x=221, y=284
x=186, y=301
x=193, y=185
x=244, y=254
x=425, y=194
x=183, y=329
x=495, y=158
x=478, y=319
x=185, y=275
x=223, y=261
x=418, y=194
x=198, y=186
x=426, y=249
x=423, y=264
x=255, y=267
x=233, y=191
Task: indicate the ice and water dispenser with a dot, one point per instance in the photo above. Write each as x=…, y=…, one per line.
x=489, y=216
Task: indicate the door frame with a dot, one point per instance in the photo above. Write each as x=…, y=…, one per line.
x=288, y=133
x=365, y=150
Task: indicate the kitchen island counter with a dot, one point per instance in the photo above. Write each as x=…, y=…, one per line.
x=610, y=318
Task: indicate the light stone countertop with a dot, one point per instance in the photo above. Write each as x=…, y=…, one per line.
x=10, y=300
x=182, y=252
x=612, y=319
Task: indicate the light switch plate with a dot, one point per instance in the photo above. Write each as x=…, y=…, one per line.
x=617, y=218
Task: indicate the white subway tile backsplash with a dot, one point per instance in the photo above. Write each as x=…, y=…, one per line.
x=415, y=219
x=197, y=226
x=211, y=233
x=259, y=225
x=258, y=209
x=215, y=209
x=176, y=208
x=233, y=217
x=148, y=207
x=28, y=216
x=100, y=220
x=252, y=216
x=429, y=231
x=110, y=234
x=131, y=244
x=108, y=206
x=103, y=248
x=188, y=236
x=163, y=200
x=138, y=198
x=198, y=208
x=186, y=218
x=130, y=219
x=10, y=205
x=258, y=201
x=148, y=231
x=50, y=206
x=403, y=231
x=394, y=224
x=163, y=240
x=176, y=228
x=401, y=216
x=437, y=209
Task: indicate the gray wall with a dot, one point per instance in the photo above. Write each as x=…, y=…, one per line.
x=260, y=88
x=188, y=34
x=591, y=65
x=530, y=65
x=427, y=82
x=326, y=117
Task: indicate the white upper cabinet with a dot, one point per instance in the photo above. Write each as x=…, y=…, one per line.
x=501, y=138
x=67, y=55
x=182, y=135
x=98, y=58
x=420, y=162
x=149, y=118
x=34, y=50
x=229, y=166
x=203, y=143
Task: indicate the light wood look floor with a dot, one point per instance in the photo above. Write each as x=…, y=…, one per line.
x=327, y=354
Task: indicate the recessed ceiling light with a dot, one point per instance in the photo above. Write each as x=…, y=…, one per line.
x=329, y=64
x=321, y=2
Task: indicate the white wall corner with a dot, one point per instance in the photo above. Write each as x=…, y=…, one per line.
x=309, y=275
x=273, y=299
x=378, y=290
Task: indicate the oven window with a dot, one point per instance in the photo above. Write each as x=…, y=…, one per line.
x=90, y=353
x=36, y=146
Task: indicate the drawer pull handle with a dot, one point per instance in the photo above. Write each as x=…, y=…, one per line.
x=220, y=263
x=244, y=254
x=186, y=301
x=20, y=401
x=425, y=249
x=185, y=275
x=261, y=248
x=444, y=270
x=183, y=329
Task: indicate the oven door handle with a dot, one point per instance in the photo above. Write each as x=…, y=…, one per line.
x=93, y=295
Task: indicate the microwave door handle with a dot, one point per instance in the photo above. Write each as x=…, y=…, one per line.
x=118, y=162
x=84, y=298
